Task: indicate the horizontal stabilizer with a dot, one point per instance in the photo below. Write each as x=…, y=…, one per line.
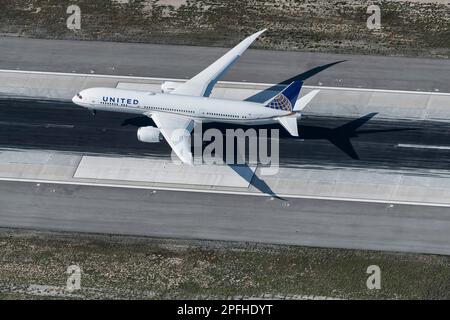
x=290, y=124
x=303, y=101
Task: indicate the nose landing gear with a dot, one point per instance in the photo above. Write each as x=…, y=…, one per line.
x=93, y=111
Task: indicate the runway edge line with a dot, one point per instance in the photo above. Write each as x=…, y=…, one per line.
x=242, y=193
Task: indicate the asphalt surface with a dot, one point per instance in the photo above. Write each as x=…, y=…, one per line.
x=224, y=217
x=375, y=143
x=323, y=142
x=169, y=61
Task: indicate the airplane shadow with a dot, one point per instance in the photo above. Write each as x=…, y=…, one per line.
x=139, y=121
x=248, y=175
x=341, y=136
x=275, y=89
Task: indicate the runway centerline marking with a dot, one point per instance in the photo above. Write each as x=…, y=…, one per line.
x=45, y=125
x=64, y=126
x=422, y=146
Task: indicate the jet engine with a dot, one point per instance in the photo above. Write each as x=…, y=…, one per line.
x=149, y=134
x=169, y=86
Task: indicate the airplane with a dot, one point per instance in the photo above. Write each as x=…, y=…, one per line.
x=180, y=106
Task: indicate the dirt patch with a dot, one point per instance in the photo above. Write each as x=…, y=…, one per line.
x=33, y=265
x=408, y=27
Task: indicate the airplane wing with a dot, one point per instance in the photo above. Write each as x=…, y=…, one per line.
x=176, y=130
x=201, y=85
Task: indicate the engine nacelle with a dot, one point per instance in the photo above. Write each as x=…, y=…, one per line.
x=169, y=86
x=149, y=134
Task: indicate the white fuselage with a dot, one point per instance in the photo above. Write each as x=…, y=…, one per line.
x=201, y=109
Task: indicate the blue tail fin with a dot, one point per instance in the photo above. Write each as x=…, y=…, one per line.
x=286, y=99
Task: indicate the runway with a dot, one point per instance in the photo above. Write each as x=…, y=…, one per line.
x=171, y=61
x=364, y=141
x=410, y=145
x=224, y=217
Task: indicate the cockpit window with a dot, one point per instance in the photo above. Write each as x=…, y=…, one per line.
x=79, y=96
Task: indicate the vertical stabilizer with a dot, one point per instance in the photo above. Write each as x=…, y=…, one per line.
x=286, y=99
